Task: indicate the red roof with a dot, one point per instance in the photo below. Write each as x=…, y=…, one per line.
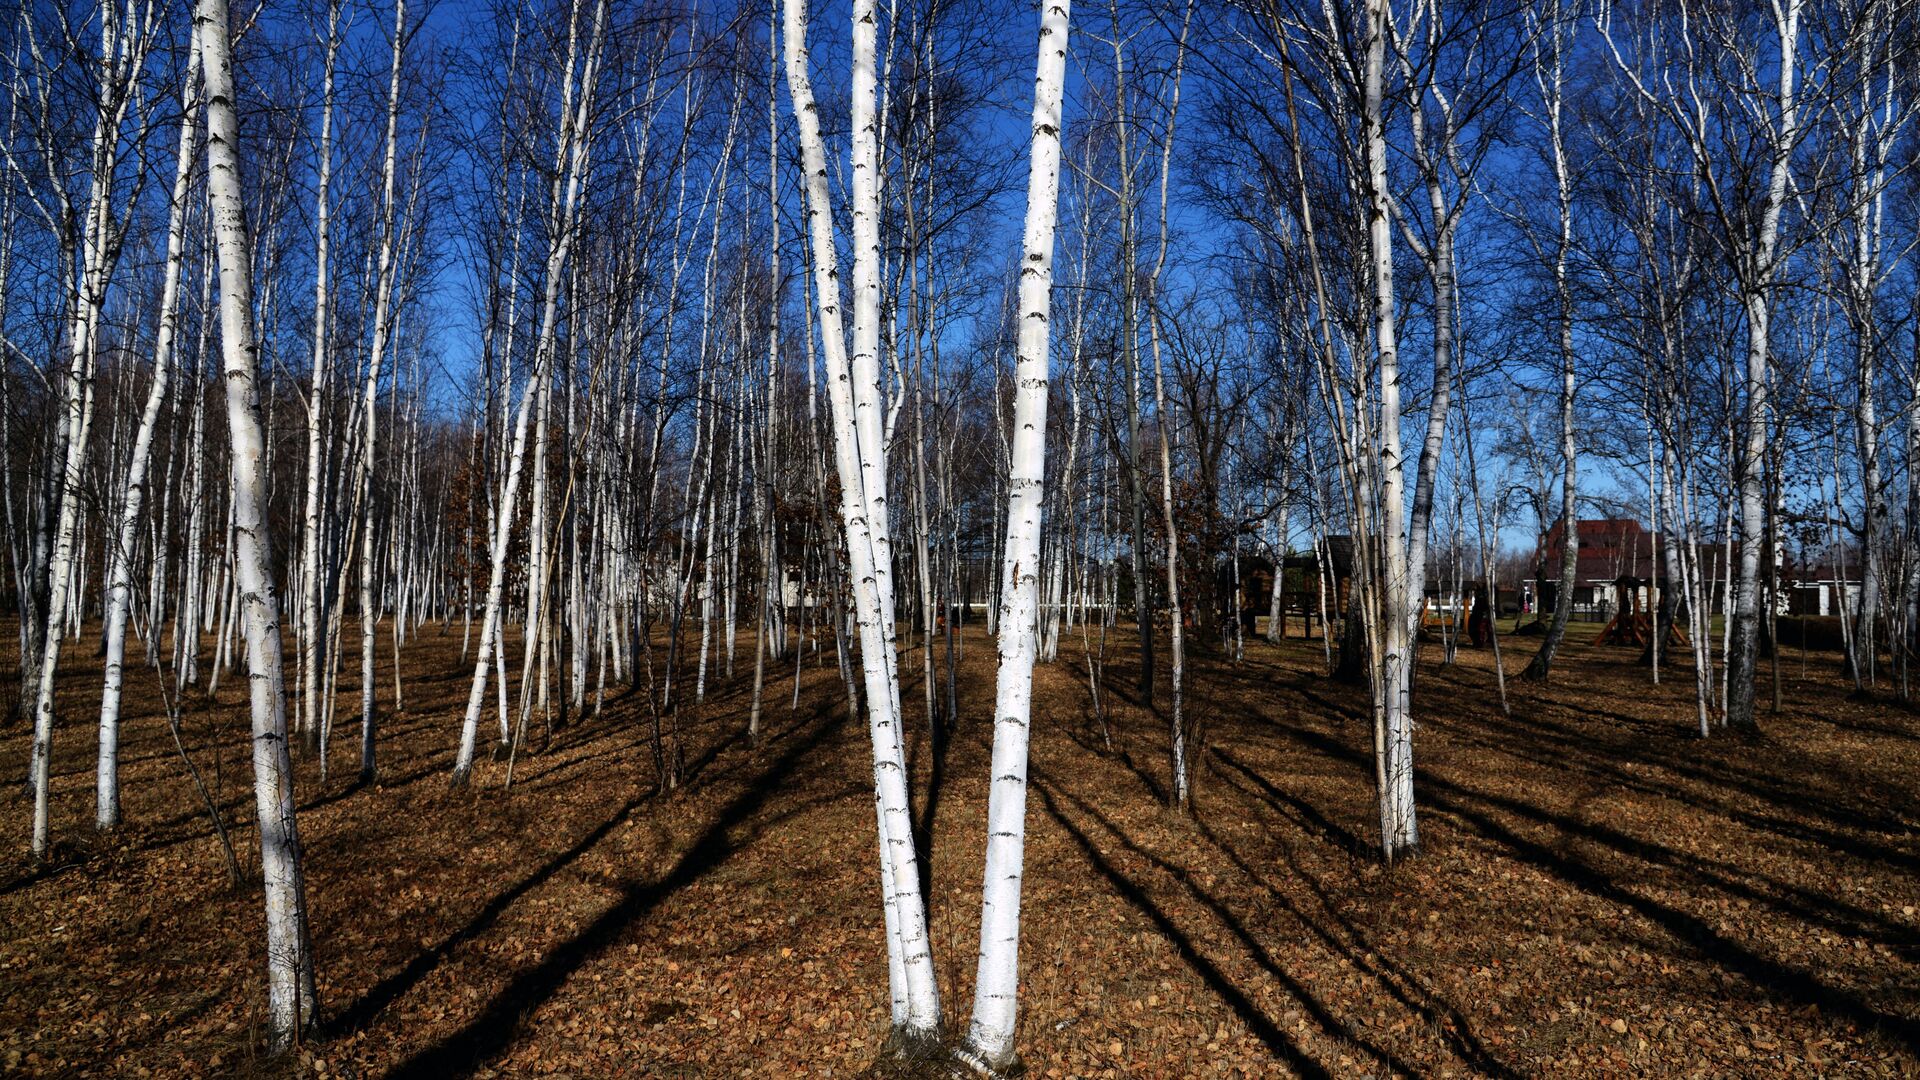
x=1610, y=548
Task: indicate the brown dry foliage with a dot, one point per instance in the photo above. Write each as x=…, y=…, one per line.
x=1599, y=893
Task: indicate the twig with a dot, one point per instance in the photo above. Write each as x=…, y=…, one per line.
x=171, y=702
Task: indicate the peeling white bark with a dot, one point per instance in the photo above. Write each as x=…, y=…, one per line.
x=119, y=592
x=859, y=459
x=290, y=982
x=997, y=985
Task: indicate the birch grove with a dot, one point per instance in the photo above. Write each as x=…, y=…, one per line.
x=661, y=361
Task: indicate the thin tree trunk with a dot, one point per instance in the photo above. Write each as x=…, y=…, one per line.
x=1552, y=81
x=290, y=980
x=569, y=180
x=120, y=556
x=312, y=572
x=996, y=987
x=852, y=385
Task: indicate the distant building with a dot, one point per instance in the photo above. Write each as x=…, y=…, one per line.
x=1620, y=562
x=1819, y=589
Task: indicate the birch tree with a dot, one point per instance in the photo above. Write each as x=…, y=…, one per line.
x=369, y=411
x=996, y=986
x=859, y=460
x=1550, y=62
x=119, y=580
x=579, y=81
x=126, y=34
x=1339, y=56
x=1767, y=111
x=319, y=391
x=1399, y=833
x=1868, y=119
x=290, y=980
x=1179, y=750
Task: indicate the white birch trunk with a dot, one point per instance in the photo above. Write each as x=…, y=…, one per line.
x=1399, y=835
x=996, y=987
x=186, y=622
x=1552, y=79
x=370, y=411
x=312, y=573
x=122, y=51
x=119, y=591
x=290, y=982
x=916, y=1001
x=569, y=182
x=1743, y=649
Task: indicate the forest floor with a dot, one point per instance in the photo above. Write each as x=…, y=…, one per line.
x=1599, y=892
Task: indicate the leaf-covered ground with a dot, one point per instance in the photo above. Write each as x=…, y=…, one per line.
x=1599, y=892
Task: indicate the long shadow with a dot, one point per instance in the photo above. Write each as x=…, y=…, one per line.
x=1586, y=757
x=1672, y=746
x=201, y=739
x=1255, y=949
x=691, y=771
x=1119, y=752
x=389, y=989
x=1533, y=744
x=496, y=1026
x=1867, y=727
x=1124, y=689
x=1344, y=711
x=1544, y=742
x=178, y=830
x=1404, y=986
x=385, y=992
x=1305, y=812
x=1769, y=975
x=547, y=770
x=1269, y=1033
x=46, y=871
x=565, y=729
x=939, y=747
x=1806, y=904
x=1685, y=758
x=172, y=1023
x=89, y=768
x=437, y=761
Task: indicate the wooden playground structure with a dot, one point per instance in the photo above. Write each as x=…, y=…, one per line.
x=1631, y=625
x=1469, y=618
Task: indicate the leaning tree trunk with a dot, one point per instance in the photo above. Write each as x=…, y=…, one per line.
x=859, y=460
x=290, y=982
x=97, y=246
x=120, y=558
x=1542, y=662
x=569, y=181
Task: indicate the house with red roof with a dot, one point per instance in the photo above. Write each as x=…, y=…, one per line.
x=1620, y=562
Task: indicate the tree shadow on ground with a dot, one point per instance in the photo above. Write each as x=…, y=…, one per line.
x=1344, y=937
x=496, y=1026
x=1475, y=813
x=1270, y=1034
